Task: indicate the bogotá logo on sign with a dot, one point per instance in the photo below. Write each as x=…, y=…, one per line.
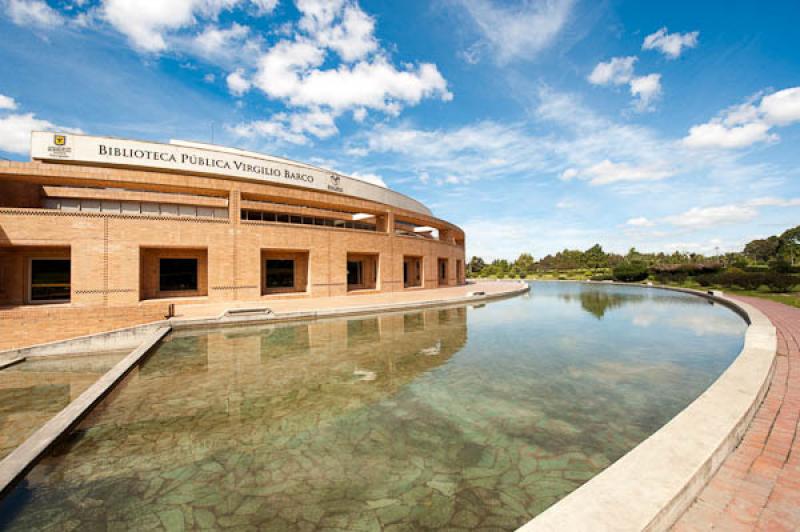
x=59, y=148
x=335, y=183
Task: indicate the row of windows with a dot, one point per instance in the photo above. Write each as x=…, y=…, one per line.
x=50, y=278
x=134, y=207
x=262, y=216
x=171, y=209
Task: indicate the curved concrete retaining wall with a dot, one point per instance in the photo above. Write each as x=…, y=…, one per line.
x=653, y=484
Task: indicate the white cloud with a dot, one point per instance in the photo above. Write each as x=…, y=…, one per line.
x=221, y=44
x=646, y=89
x=291, y=128
x=699, y=217
x=15, y=131
x=607, y=172
x=351, y=37
x=748, y=123
x=783, y=107
x=774, y=202
x=369, y=178
x=264, y=7
x=670, y=44
x=7, y=102
x=296, y=70
x=519, y=32
x=237, y=83
x=617, y=71
x=568, y=175
x=566, y=204
x=33, y=13
x=144, y=23
x=641, y=221
x=718, y=135
x=284, y=73
x=149, y=25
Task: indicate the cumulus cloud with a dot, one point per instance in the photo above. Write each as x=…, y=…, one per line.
x=15, y=131
x=299, y=72
x=698, y=217
x=222, y=44
x=287, y=72
x=374, y=179
x=670, y=44
x=646, y=89
x=607, y=172
x=518, y=32
x=640, y=221
x=148, y=25
x=748, y=123
x=7, y=102
x=33, y=13
x=237, y=83
x=352, y=37
x=620, y=71
x=568, y=175
x=292, y=128
x=617, y=71
x=782, y=108
x=775, y=202
x=719, y=135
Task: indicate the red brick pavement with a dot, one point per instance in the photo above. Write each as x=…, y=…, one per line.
x=758, y=486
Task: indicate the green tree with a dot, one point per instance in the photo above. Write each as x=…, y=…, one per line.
x=476, y=264
x=763, y=249
x=525, y=264
x=595, y=257
x=790, y=244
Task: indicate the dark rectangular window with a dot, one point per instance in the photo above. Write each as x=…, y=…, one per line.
x=50, y=279
x=354, y=272
x=442, y=270
x=280, y=273
x=177, y=275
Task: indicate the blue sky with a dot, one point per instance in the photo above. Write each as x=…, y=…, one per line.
x=535, y=125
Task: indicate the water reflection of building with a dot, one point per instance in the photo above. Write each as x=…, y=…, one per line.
x=33, y=392
x=206, y=391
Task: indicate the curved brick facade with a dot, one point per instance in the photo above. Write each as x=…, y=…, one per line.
x=121, y=229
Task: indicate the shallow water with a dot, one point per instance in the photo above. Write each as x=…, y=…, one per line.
x=458, y=417
x=35, y=390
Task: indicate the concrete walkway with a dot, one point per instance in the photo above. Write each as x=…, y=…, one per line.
x=758, y=485
x=363, y=299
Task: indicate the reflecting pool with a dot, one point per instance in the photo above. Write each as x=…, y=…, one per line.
x=454, y=418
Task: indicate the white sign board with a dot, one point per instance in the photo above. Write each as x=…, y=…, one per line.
x=100, y=151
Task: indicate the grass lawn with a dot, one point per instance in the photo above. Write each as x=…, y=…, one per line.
x=792, y=298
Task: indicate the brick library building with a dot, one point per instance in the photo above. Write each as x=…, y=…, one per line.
x=102, y=222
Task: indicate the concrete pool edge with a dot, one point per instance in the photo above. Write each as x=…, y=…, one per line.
x=223, y=320
x=17, y=464
x=654, y=483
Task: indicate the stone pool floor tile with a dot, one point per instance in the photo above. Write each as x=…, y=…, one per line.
x=758, y=485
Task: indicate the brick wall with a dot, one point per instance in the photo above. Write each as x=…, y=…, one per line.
x=19, y=326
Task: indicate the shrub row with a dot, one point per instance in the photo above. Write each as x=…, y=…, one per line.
x=687, y=269
x=776, y=282
x=630, y=272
